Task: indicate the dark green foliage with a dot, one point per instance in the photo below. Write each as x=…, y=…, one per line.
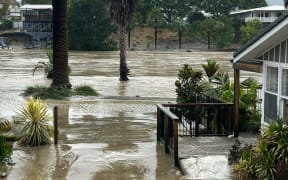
x=188, y=85
x=5, y=149
x=249, y=30
x=269, y=159
x=89, y=26
x=48, y=92
x=85, y=91
x=6, y=24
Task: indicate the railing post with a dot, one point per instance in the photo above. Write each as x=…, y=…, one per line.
x=158, y=123
x=166, y=134
x=55, y=115
x=175, y=140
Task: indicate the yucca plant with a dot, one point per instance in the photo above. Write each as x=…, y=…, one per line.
x=35, y=131
x=46, y=66
x=211, y=68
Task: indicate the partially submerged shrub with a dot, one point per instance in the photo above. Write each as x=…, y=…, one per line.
x=269, y=159
x=47, y=92
x=58, y=92
x=36, y=129
x=85, y=91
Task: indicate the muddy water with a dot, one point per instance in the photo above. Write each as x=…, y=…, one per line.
x=108, y=137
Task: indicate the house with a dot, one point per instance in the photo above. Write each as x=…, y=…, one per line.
x=265, y=15
x=37, y=21
x=13, y=9
x=266, y=53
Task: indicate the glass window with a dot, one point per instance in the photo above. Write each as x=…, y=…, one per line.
x=284, y=83
x=266, y=56
x=271, y=55
x=283, y=51
x=270, y=107
x=272, y=79
x=277, y=53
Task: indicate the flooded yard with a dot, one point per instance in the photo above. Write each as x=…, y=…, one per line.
x=112, y=136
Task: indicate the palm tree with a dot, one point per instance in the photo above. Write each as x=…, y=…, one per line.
x=120, y=12
x=60, y=49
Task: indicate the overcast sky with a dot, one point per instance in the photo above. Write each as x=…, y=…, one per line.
x=275, y=2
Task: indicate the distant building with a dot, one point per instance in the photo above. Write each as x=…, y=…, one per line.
x=37, y=21
x=265, y=15
x=14, y=8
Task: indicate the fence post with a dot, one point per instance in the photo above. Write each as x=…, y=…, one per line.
x=166, y=133
x=55, y=115
x=175, y=136
x=158, y=123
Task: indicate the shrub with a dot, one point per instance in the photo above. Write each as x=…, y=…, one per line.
x=269, y=159
x=36, y=129
x=85, y=91
x=188, y=85
x=48, y=92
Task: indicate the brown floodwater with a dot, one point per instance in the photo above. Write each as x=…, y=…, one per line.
x=108, y=137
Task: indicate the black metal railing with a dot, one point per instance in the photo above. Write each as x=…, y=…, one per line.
x=167, y=131
x=195, y=119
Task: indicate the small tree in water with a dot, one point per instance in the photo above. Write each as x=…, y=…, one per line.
x=121, y=13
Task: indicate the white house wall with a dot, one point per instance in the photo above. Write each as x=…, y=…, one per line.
x=276, y=57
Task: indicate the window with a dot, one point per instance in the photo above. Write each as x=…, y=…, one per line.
x=272, y=79
x=284, y=83
x=283, y=51
x=270, y=106
x=277, y=53
x=271, y=54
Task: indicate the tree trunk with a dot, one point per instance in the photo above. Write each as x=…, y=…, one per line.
x=180, y=39
x=155, y=36
x=124, y=71
x=209, y=40
x=129, y=37
x=60, y=49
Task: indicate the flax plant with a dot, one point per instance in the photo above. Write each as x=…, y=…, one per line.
x=35, y=131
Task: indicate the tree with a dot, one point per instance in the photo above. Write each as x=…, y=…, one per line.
x=250, y=29
x=90, y=20
x=155, y=19
x=36, y=1
x=121, y=13
x=249, y=4
x=4, y=9
x=60, y=49
x=217, y=7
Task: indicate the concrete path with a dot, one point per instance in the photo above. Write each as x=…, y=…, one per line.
x=207, y=157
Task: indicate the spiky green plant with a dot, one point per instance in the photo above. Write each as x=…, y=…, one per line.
x=35, y=131
x=46, y=66
x=5, y=124
x=211, y=68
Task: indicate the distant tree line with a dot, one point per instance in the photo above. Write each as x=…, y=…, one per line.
x=89, y=27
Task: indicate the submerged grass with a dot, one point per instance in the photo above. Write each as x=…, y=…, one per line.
x=85, y=91
x=47, y=92
x=59, y=93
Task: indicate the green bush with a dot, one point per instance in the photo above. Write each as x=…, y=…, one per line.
x=269, y=159
x=48, y=92
x=85, y=91
x=59, y=93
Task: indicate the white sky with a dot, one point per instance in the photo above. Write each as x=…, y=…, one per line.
x=274, y=2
